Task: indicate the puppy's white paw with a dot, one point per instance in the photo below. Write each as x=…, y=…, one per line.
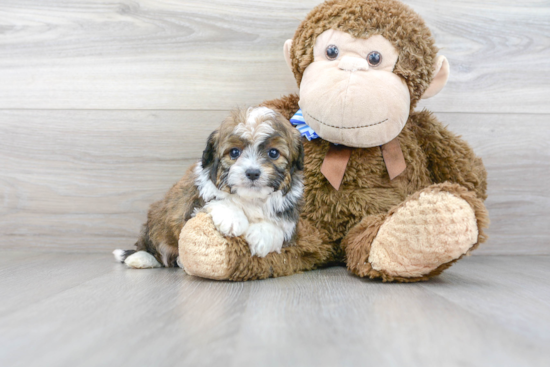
x=228, y=219
x=142, y=260
x=264, y=238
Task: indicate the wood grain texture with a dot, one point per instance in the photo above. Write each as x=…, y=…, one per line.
x=77, y=171
x=216, y=54
x=515, y=149
x=86, y=178
x=83, y=180
x=484, y=311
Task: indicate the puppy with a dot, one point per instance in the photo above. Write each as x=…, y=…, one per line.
x=249, y=180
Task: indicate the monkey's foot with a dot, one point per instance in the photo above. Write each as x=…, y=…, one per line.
x=420, y=237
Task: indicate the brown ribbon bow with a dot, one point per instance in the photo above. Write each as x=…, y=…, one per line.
x=337, y=158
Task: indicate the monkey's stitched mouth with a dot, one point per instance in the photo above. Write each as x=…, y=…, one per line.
x=344, y=127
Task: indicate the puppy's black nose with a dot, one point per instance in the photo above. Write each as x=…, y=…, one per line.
x=253, y=174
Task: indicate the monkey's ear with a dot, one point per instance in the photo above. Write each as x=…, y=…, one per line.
x=441, y=72
x=286, y=50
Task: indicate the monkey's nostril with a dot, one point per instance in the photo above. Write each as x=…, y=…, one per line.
x=253, y=174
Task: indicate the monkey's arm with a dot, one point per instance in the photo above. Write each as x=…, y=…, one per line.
x=206, y=253
x=449, y=157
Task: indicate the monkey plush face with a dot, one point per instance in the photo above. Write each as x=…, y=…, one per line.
x=350, y=95
x=362, y=65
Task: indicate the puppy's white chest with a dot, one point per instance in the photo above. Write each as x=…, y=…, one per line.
x=255, y=214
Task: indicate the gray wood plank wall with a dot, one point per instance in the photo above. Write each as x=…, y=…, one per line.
x=103, y=105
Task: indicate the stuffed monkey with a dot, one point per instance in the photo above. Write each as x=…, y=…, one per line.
x=389, y=191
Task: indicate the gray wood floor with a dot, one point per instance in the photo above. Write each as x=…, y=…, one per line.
x=70, y=309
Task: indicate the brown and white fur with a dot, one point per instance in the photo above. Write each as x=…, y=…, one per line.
x=256, y=193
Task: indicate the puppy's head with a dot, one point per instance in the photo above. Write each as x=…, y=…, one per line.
x=254, y=153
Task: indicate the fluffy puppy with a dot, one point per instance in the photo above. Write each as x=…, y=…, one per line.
x=249, y=180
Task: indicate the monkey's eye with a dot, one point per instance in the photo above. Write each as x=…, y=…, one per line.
x=234, y=153
x=332, y=52
x=374, y=58
x=273, y=153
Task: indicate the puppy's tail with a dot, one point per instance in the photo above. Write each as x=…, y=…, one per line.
x=136, y=259
x=144, y=255
x=121, y=255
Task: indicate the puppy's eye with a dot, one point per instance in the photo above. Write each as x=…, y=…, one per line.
x=374, y=58
x=332, y=52
x=235, y=153
x=273, y=153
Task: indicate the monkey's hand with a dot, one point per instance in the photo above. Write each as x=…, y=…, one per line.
x=206, y=253
x=203, y=249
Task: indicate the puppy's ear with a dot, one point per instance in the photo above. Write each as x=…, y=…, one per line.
x=209, y=153
x=209, y=158
x=298, y=159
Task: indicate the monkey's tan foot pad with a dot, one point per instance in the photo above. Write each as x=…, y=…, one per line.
x=429, y=229
x=203, y=250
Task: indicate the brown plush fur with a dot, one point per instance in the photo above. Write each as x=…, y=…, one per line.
x=341, y=225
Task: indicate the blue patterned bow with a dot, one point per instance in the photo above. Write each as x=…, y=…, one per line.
x=304, y=129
